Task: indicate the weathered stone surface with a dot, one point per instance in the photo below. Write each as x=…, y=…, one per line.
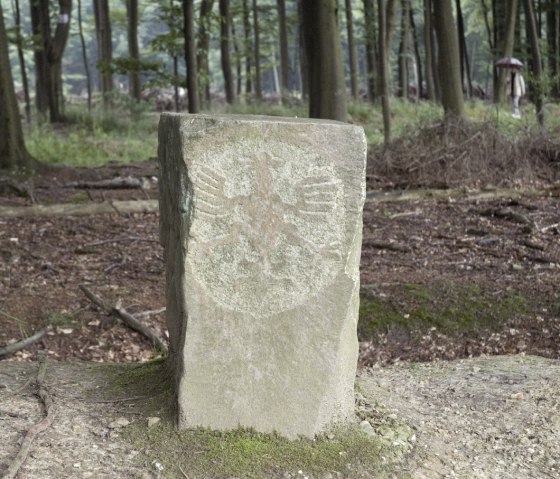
x=261, y=221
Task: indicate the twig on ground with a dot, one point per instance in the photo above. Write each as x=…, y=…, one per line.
x=127, y=318
x=386, y=245
x=146, y=314
x=12, y=348
x=126, y=182
x=183, y=472
x=36, y=429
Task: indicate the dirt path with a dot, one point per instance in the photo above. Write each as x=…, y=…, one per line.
x=495, y=417
x=490, y=417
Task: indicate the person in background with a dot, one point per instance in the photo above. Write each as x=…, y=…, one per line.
x=517, y=90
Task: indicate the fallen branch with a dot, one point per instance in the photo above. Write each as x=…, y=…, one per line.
x=127, y=318
x=386, y=245
x=80, y=209
x=507, y=215
x=36, y=429
x=146, y=314
x=12, y=348
x=126, y=182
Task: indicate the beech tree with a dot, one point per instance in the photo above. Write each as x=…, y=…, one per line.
x=104, y=48
x=133, y=50
x=190, y=56
x=449, y=60
x=327, y=88
x=225, y=40
x=13, y=153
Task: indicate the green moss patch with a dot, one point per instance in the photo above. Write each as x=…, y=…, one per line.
x=449, y=308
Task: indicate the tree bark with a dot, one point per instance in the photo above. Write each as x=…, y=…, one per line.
x=553, y=43
x=256, y=34
x=104, y=48
x=429, y=50
x=84, y=55
x=506, y=49
x=371, y=46
x=449, y=60
x=41, y=28
x=463, y=53
x=418, y=58
x=327, y=89
x=21, y=58
x=248, y=49
x=404, y=49
x=303, y=63
x=225, y=29
x=190, y=56
x=284, y=57
x=536, y=61
x=133, y=50
x=353, y=61
x=203, y=48
x=383, y=73
x=13, y=154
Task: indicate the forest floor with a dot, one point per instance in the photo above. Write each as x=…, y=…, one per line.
x=445, y=275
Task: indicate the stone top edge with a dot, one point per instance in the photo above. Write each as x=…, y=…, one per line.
x=223, y=118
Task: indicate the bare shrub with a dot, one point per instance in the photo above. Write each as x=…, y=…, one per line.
x=457, y=153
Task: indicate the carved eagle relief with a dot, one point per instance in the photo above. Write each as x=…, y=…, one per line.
x=273, y=239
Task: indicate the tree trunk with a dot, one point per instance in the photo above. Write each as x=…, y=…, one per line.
x=133, y=50
x=429, y=50
x=237, y=57
x=41, y=28
x=13, y=154
x=104, y=48
x=303, y=63
x=327, y=90
x=84, y=55
x=203, y=48
x=21, y=58
x=506, y=49
x=418, y=58
x=353, y=61
x=465, y=67
x=536, y=60
x=553, y=43
x=449, y=60
x=284, y=58
x=190, y=56
x=256, y=34
x=403, y=50
x=248, y=49
x=225, y=29
x=383, y=67
x=371, y=45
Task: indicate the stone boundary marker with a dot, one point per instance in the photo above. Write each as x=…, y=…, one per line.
x=261, y=223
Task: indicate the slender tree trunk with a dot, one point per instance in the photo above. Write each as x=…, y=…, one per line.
x=353, y=61
x=553, y=43
x=536, y=60
x=256, y=34
x=56, y=46
x=429, y=50
x=84, y=55
x=203, y=48
x=465, y=67
x=418, y=58
x=248, y=49
x=403, y=50
x=371, y=45
x=449, y=60
x=104, y=48
x=40, y=25
x=13, y=153
x=507, y=49
x=327, y=89
x=383, y=73
x=284, y=58
x=190, y=56
x=225, y=29
x=133, y=50
x=21, y=58
x=175, y=84
x=303, y=63
x=237, y=57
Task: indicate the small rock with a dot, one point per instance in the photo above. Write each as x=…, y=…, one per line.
x=152, y=421
x=118, y=423
x=517, y=396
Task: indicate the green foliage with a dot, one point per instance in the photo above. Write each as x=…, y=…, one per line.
x=125, y=134
x=59, y=319
x=446, y=307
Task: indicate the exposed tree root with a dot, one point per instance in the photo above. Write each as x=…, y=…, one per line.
x=36, y=429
